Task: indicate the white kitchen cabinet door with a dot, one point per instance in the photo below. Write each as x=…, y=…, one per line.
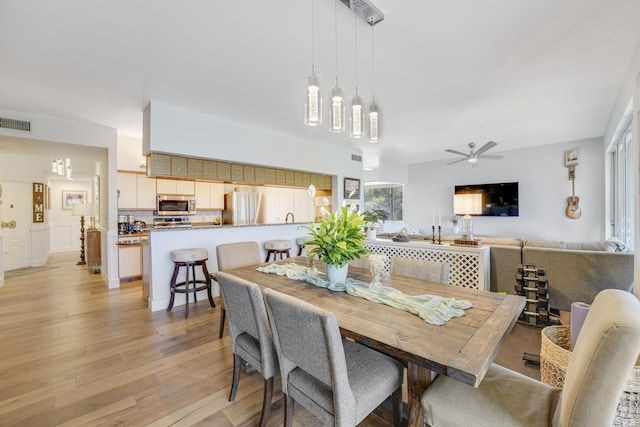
x=129, y=261
x=216, y=195
x=166, y=186
x=303, y=205
x=185, y=187
x=146, y=192
x=203, y=196
x=127, y=189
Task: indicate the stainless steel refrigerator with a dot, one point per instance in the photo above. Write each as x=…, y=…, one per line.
x=242, y=208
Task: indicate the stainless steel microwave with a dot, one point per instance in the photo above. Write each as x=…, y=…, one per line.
x=175, y=204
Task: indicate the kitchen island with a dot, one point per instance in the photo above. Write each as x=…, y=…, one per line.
x=158, y=267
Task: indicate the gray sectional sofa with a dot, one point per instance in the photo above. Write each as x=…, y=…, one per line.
x=575, y=271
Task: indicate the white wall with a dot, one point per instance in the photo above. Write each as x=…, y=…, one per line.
x=130, y=154
x=179, y=131
x=65, y=228
x=543, y=191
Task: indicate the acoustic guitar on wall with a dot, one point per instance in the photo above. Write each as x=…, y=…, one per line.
x=573, y=203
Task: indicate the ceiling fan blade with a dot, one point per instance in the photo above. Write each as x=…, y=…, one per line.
x=457, y=152
x=488, y=146
x=489, y=156
x=456, y=161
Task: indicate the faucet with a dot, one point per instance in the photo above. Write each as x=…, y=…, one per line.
x=286, y=218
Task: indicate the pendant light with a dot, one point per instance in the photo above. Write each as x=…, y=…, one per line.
x=357, y=113
x=374, y=114
x=313, y=98
x=337, y=111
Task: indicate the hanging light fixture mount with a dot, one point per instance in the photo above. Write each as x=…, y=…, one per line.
x=365, y=10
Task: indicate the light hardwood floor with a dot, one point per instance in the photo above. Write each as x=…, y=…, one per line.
x=74, y=353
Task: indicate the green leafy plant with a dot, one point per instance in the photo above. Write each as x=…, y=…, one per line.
x=339, y=238
x=374, y=216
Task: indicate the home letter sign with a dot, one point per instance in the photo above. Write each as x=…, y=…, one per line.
x=38, y=202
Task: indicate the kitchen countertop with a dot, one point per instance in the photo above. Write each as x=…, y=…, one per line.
x=206, y=225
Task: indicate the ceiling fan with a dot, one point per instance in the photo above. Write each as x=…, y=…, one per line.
x=473, y=156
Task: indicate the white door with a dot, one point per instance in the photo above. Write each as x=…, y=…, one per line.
x=15, y=207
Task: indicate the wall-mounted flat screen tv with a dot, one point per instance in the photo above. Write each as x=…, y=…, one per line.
x=499, y=199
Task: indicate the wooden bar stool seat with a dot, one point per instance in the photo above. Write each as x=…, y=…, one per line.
x=276, y=247
x=190, y=258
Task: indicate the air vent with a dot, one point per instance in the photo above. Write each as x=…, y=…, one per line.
x=356, y=158
x=15, y=124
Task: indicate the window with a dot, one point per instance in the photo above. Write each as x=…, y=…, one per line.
x=387, y=197
x=623, y=200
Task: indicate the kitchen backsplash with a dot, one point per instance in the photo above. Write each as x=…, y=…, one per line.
x=147, y=216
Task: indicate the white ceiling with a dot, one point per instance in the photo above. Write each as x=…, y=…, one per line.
x=519, y=72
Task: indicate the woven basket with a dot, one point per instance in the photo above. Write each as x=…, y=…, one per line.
x=555, y=357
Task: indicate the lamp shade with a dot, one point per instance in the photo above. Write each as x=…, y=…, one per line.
x=467, y=204
x=80, y=209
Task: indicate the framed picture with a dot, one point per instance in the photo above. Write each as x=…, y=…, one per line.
x=352, y=188
x=571, y=157
x=70, y=198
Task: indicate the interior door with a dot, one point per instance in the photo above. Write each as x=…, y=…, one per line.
x=15, y=207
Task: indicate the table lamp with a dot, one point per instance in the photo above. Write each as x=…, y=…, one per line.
x=81, y=209
x=467, y=205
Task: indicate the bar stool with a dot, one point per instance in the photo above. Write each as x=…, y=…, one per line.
x=276, y=247
x=190, y=258
x=301, y=241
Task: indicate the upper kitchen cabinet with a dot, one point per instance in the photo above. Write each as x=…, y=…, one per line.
x=173, y=186
x=136, y=191
x=209, y=195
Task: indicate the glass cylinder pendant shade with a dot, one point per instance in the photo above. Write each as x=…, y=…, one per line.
x=313, y=103
x=337, y=112
x=374, y=123
x=357, y=117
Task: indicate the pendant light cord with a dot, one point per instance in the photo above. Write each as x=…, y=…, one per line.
x=312, y=41
x=355, y=39
x=335, y=22
x=373, y=92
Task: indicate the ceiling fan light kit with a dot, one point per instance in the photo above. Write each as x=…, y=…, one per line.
x=473, y=155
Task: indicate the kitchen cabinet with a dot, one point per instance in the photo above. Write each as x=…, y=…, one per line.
x=277, y=202
x=209, y=195
x=145, y=192
x=129, y=261
x=303, y=207
x=136, y=191
x=127, y=191
x=173, y=186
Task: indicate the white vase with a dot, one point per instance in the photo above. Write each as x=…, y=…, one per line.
x=337, y=274
x=371, y=233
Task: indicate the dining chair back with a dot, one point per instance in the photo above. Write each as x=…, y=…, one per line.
x=251, y=340
x=340, y=382
x=603, y=357
x=432, y=271
x=235, y=255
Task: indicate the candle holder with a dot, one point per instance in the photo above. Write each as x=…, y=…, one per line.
x=439, y=235
x=433, y=234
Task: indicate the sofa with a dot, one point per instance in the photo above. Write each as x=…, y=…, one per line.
x=576, y=271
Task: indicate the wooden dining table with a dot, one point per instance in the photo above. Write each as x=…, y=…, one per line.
x=463, y=348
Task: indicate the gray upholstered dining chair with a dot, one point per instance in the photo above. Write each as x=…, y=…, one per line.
x=604, y=355
x=250, y=332
x=235, y=255
x=340, y=382
x=432, y=271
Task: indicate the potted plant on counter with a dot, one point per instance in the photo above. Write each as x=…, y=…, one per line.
x=336, y=240
x=373, y=219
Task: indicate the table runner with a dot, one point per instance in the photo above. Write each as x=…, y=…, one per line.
x=433, y=309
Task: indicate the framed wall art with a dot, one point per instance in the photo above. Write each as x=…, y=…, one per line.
x=352, y=188
x=571, y=157
x=70, y=198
